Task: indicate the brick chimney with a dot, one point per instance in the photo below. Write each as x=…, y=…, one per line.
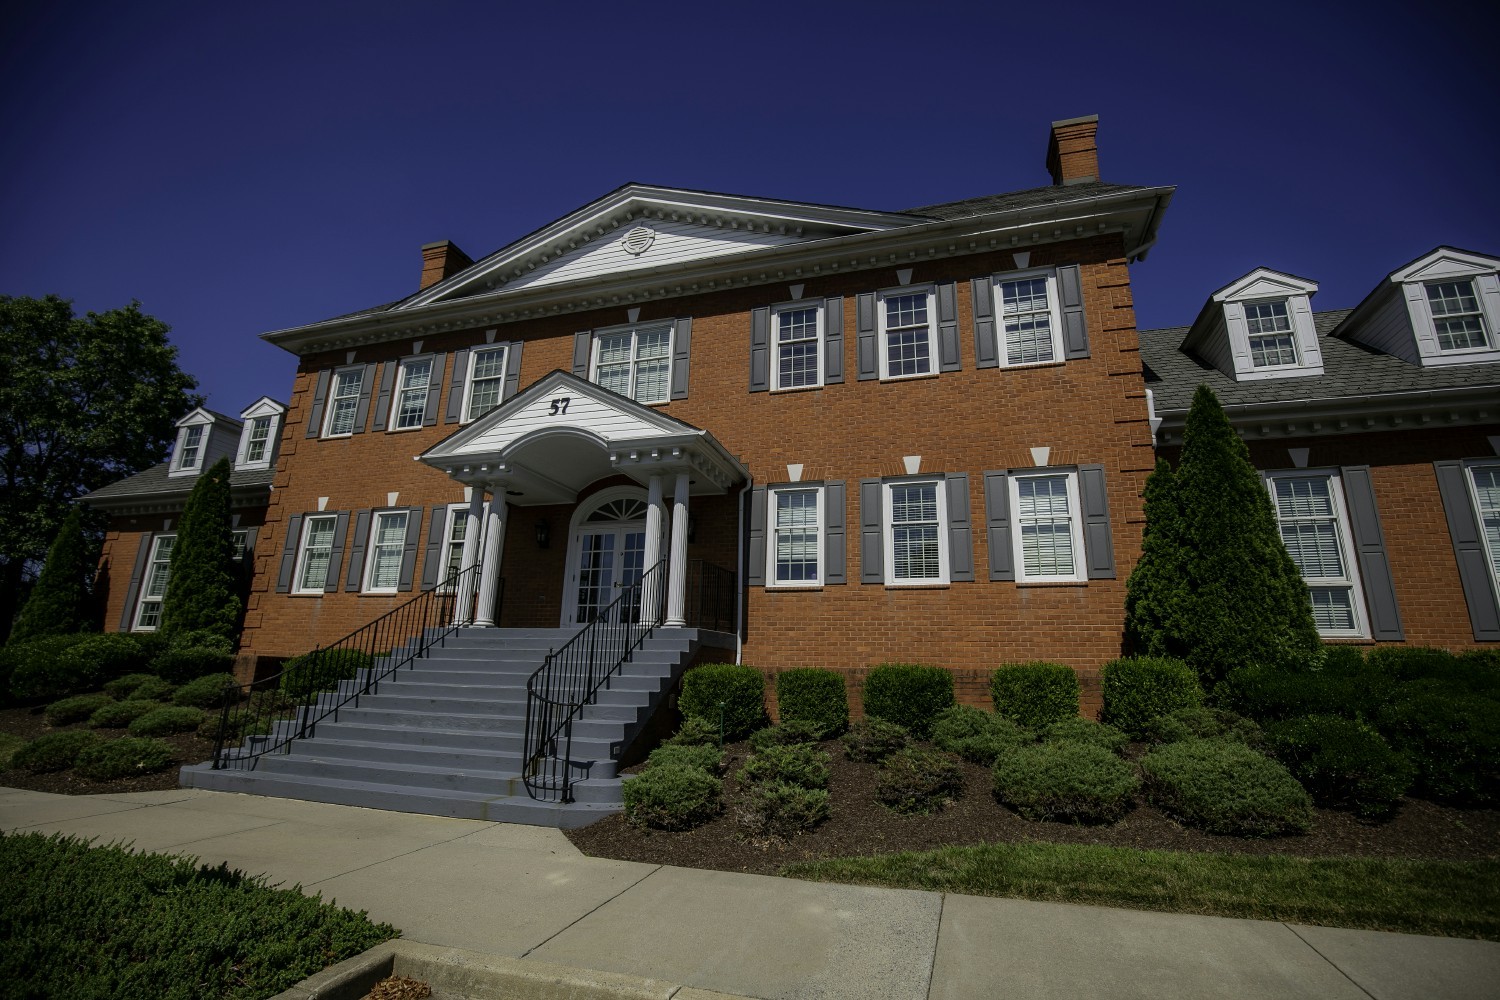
x=1072, y=153
x=440, y=260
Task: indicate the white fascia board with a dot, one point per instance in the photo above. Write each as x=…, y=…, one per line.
x=197, y=416
x=1464, y=400
x=1445, y=262
x=1264, y=283
x=264, y=406
x=1135, y=214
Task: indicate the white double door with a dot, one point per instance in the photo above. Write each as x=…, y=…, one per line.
x=609, y=559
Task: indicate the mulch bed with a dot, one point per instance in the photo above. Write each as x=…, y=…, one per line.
x=859, y=825
x=30, y=723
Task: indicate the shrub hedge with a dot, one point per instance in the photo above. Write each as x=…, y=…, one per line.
x=705, y=758
x=203, y=692
x=695, y=732
x=123, y=687
x=789, y=733
x=302, y=677
x=1226, y=788
x=874, y=740
x=909, y=694
x=1453, y=739
x=1200, y=723
x=1085, y=731
x=123, y=758
x=672, y=798
x=34, y=672
x=1267, y=695
x=1344, y=764
x=741, y=690
x=978, y=737
x=95, y=659
x=52, y=752
x=1139, y=690
x=182, y=664
x=76, y=708
x=119, y=714
x=1036, y=694
x=1073, y=782
x=917, y=780
x=802, y=764
x=780, y=810
x=155, y=689
x=166, y=721
x=813, y=695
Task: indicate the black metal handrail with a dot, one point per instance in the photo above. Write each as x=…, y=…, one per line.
x=711, y=596
x=571, y=677
x=266, y=716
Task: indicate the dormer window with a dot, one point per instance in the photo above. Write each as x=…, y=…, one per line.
x=1259, y=327
x=257, y=445
x=258, y=440
x=1456, y=317
x=190, y=448
x=1441, y=309
x=1269, y=328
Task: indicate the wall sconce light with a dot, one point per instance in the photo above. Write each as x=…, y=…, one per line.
x=543, y=533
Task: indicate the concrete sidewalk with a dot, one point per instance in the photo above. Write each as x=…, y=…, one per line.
x=525, y=892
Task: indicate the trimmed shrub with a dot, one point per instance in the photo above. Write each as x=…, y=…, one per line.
x=238, y=727
x=76, y=708
x=1452, y=739
x=909, y=694
x=52, y=752
x=1343, y=661
x=1226, y=788
x=1036, y=694
x=813, y=695
x=166, y=721
x=203, y=590
x=304, y=676
x=874, y=740
x=1072, y=782
x=119, y=714
x=204, y=692
x=780, y=810
x=9, y=744
x=125, y=757
x=787, y=734
x=1271, y=695
x=1343, y=763
x=124, y=687
x=672, y=798
x=917, y=780
x=708, y=759
x=38, y=672
x=694, y=733
x=1199, y=723
x=740, y=689
x=1139, y=690
x=182, y=664
x=59, y=603
x=1085, y=731
x=978, y=737
x=103, y=657
x=155, y=689
x=1476, y=673
x=803, y=765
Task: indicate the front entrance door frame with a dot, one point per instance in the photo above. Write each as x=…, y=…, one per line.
x=579, y=526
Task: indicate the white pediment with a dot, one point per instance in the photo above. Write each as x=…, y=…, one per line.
x=642, y=228
x=197, y=416
x=1446, y=262
x=1265, y=283
x=265, y=406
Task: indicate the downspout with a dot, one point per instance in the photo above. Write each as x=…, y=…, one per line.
x=739, y=577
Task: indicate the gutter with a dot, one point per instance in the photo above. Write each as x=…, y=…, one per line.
x=1477, y=401
x=739, y=577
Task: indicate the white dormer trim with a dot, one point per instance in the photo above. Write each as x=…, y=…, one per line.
x=191, y=447
x=1222, y=336
x=273, y=412
x=1442, y=265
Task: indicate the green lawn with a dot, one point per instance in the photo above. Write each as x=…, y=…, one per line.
x=1452, y=898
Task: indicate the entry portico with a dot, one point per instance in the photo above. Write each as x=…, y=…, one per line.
x=546, y=446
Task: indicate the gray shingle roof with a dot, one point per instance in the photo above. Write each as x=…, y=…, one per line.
x=154, y=483
x=1350, y=370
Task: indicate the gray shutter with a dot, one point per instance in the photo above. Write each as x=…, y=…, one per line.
x=833, y=341
x=1374, y=565
x=320, y=395
x=755, y=574
x=356, y=554
x=1070, y=297
x=1098, y=545
x=513, y=370
x=982, y=299
x=434, y=390
x=997, y=525
x=960, y=532
x=871, y=532
x=1468, y=549
x=867, y=350
x=383, y=401
x=366, y=390
x=289, y=554
x=583, y=346
x=131, y=592
x=455, y=411
x=833, y=527
x=760, y=349
x=947, y=310
x=682, y=341
x=409, y=553
x=437, y=531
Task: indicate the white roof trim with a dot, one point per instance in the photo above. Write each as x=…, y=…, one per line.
x=263, y=406
x=1445, y=262
x=1263, y=282
x=197, y=416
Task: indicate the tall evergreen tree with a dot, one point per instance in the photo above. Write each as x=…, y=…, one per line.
x=59, y=603
x=1158, y=584
x=1239, y=599
x=202, y=593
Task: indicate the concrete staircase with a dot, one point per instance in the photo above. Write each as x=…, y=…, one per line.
x=444, y=737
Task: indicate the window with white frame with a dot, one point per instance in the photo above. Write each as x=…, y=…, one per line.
x=413, y=383
x=316, y=553
x=798, y=332
x=636, y=362
x=387, y=543
x=795, y=537
x=1048, y=531
x=343, y=402
x=1315, y=529
x=906, y=333
x=453, y=542
x=1484, y=480
x=1030, y=328
x=1456, y=316
x=1269, y=328
x=916, y=550
x=485, y=382
x=257, y=440
x=190, y=448
x=154, y=584
x=238, y=541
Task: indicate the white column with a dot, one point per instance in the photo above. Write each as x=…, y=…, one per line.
x=654, y=513
x=489, y=574
x=677, y=568
x=463, y=603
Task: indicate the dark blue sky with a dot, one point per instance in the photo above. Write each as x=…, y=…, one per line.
x=244, y=168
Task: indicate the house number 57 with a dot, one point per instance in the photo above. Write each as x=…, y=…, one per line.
x=560, y=405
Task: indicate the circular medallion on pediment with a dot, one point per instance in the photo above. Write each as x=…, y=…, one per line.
x=638, y=240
